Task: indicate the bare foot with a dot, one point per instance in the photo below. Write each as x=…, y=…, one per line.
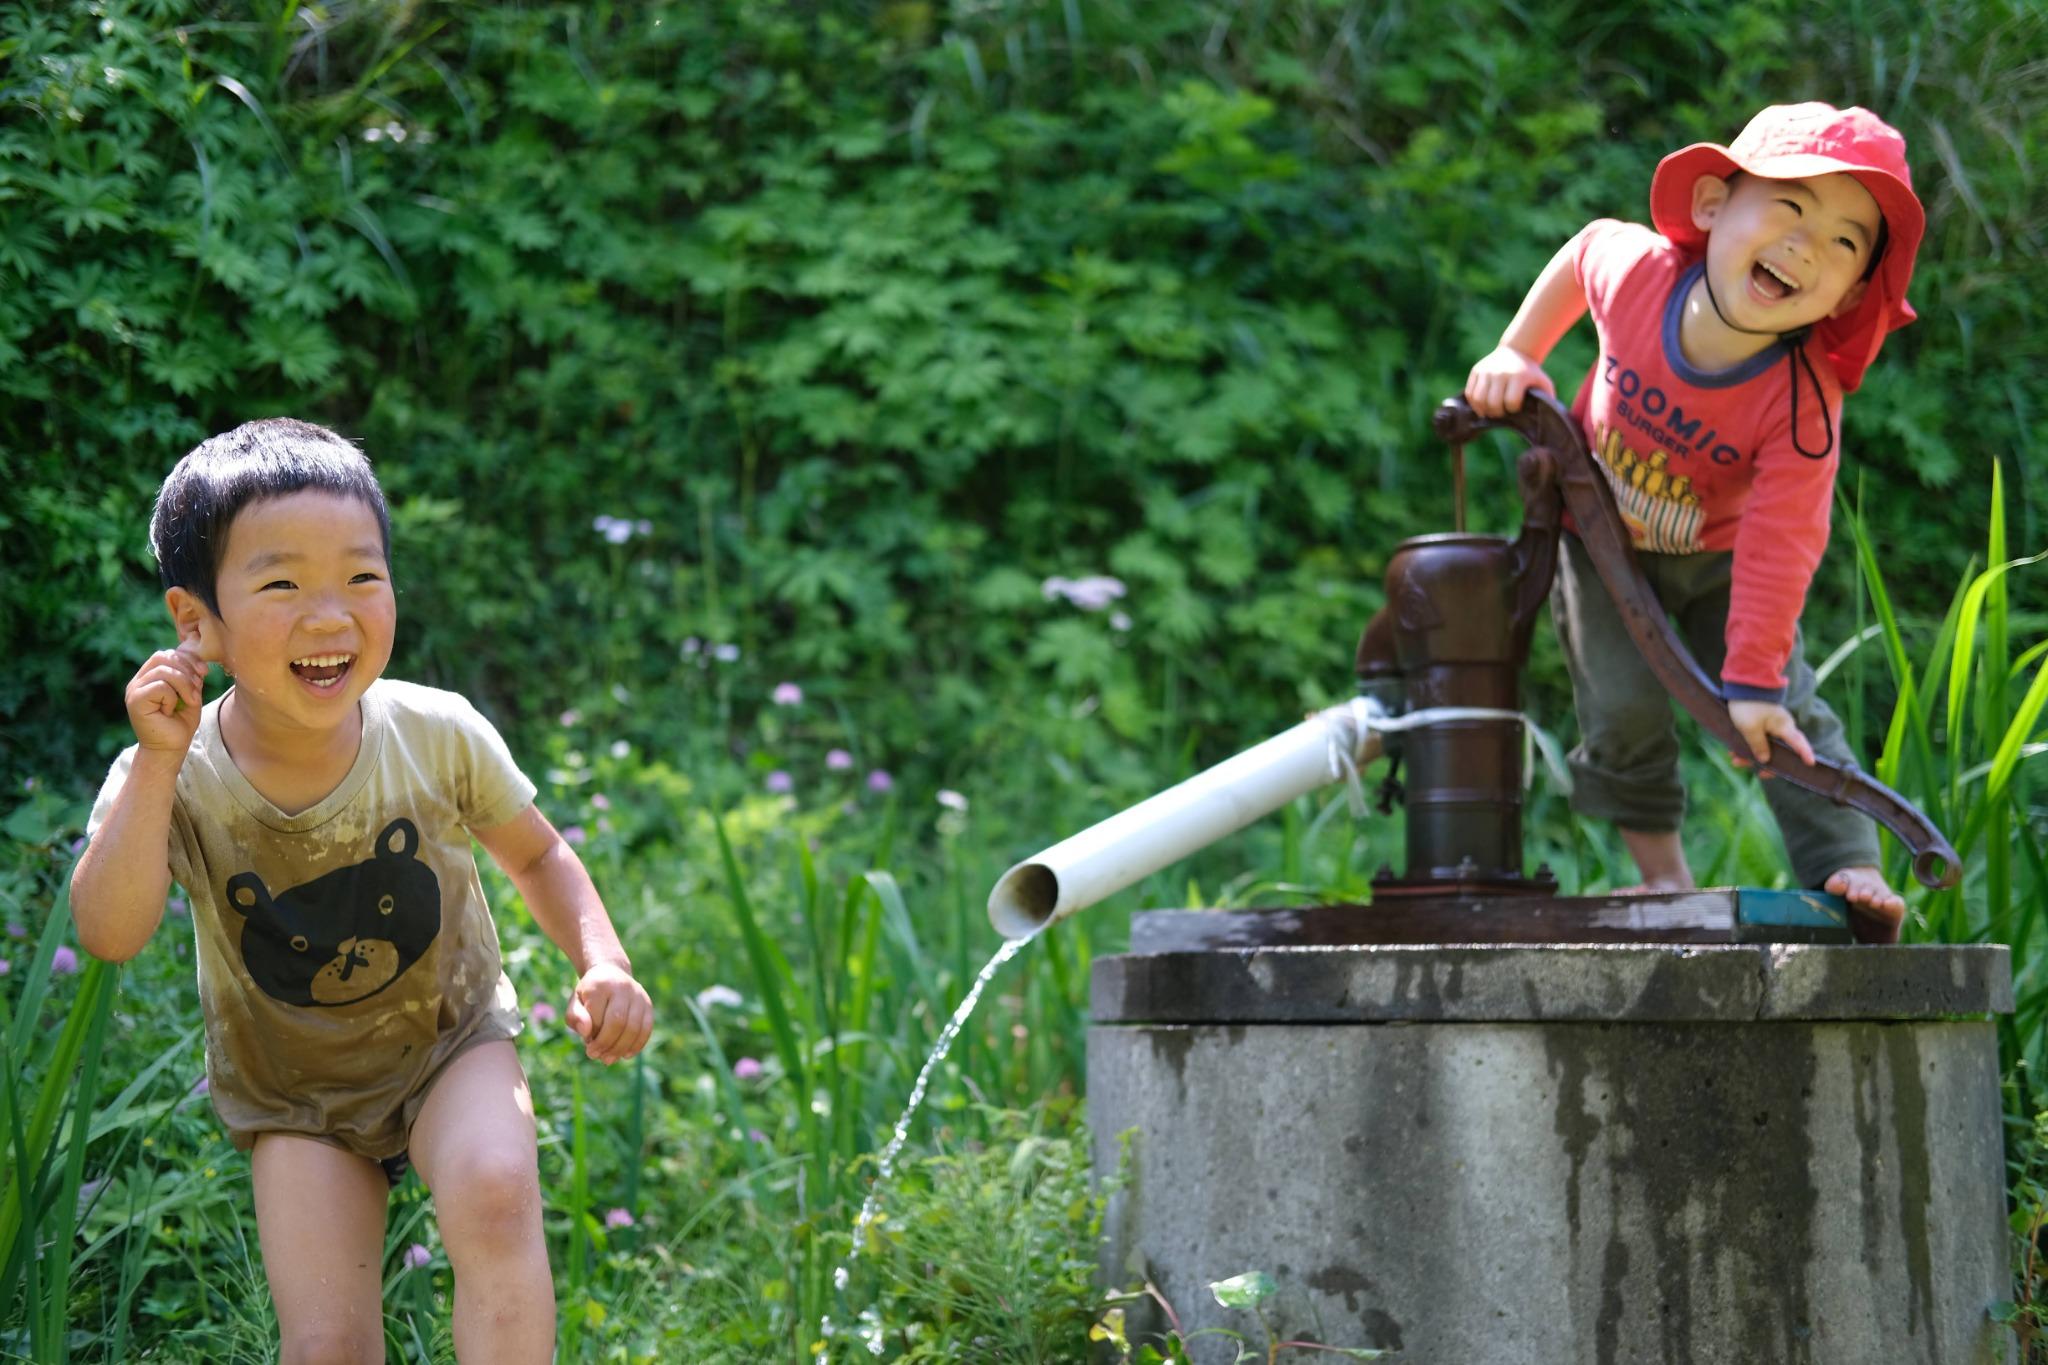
x=1879, y=909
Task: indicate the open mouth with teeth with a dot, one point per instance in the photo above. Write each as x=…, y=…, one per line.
x=1771, y=283
x=323, y=671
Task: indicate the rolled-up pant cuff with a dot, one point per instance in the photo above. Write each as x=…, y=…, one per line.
x=1645, y=806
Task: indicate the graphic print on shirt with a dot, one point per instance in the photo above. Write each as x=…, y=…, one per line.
x=1663, y=514
x=346, y=934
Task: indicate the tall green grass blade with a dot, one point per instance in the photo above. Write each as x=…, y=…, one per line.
x=735, y=1103
x=21, y=1257
x=824, y=1023
x=917, y=971
x=864, y=969
x=1909, y=718
x=569, y=1335
x=63, y=1211
x=776, y=981
x=771, y=972
x=2007, y=757
x=120, y=1112
x=1989, y=584
x=35, y=984
x=57, y=1085
x=1992, y=714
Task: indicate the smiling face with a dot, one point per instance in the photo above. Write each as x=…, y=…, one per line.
x=307, y=612
x=1785, y=254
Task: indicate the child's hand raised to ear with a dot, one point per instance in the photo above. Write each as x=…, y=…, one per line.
x=165, y=695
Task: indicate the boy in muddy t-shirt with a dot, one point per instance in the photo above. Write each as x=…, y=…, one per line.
x=319, y=816
x=1728, y=335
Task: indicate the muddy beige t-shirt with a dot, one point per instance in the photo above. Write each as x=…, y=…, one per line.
x=345, y=953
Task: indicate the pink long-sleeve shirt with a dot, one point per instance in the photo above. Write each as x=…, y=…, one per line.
x=1705, y=460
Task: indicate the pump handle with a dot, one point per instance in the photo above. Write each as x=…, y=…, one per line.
x=1544, y=422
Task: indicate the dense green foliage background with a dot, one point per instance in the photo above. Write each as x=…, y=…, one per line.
x=878, y=315
x=709, y=348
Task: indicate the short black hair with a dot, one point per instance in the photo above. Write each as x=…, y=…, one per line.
x=270, y=458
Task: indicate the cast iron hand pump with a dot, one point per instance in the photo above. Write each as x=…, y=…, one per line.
x=1546, y=425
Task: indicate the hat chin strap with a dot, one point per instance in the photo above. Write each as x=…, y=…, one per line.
x=1795, y=355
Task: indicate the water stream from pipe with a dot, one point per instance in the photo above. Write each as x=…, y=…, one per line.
x=869, y=1330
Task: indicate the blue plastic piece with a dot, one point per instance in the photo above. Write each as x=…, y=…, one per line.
x=1790, y=909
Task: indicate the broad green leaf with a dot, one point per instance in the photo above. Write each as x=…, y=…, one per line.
x=1248, y=1290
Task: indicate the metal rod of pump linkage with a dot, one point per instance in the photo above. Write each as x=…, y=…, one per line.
x=1458, y=487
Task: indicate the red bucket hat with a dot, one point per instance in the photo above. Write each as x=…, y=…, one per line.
x=1799, y=141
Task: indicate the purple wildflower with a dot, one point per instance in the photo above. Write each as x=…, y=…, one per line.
x=599, y=801
x=787, y=694
x=780, y=782
x=64, y=962
x=838, y=760
x=746, y=1069
x=417, y=1256
x=880, y=781
x=1089, y=594
x=571, y=716
x=619, y=530
x=618, y=1218
x=574, y=834
x=543, y=1013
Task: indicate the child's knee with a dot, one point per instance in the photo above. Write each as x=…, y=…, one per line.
x=495, y=1192
x=333, y=1344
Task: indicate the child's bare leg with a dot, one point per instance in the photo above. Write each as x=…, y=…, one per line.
x=1866, y=890
x=320, y=1218
x=1660, y=860
x=473, y=1144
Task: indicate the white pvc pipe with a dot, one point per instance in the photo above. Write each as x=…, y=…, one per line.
x=1105, y=858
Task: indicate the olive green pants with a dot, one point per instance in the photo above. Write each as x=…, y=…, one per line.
x=1625, y=768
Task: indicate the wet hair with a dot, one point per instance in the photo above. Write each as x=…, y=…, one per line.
x=208, y=489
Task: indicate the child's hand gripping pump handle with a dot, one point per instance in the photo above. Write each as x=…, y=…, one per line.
x=1545, y=423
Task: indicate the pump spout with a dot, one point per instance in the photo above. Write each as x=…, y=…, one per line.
x=1133, y=844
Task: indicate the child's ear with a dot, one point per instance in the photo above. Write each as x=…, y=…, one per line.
x=1709, y=197
x=1851, y=299
x=196, y=623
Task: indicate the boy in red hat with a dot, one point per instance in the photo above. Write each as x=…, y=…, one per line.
x=1728, y=334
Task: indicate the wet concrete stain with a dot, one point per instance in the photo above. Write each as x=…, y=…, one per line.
x=1382, y=1329
x=1867, y=1102
x=1417, y=985
x=1697, y=1199
x=1909, y=1132
x=1171, y=1046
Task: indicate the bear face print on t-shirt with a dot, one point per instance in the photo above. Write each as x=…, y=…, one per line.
x=347, y=934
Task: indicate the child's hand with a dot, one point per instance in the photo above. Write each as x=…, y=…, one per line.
x=164, y=698
x=1759, y=721
x=611, y=1013
x=1497, y=383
